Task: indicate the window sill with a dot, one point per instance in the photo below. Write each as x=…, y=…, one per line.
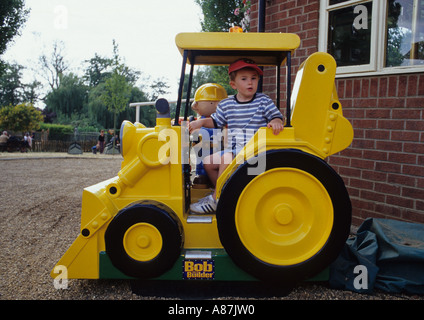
x=383, y=72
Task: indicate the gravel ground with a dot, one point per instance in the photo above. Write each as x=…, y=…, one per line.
x=39, y=219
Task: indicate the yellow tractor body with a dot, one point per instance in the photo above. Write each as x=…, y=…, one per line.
x=282, y=213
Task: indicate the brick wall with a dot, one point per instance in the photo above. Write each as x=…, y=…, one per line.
x=383, y=169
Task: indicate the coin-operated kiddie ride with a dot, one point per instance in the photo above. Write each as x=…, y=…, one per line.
x=283, y=213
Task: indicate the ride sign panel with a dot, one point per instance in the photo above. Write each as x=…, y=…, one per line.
x=198, y=269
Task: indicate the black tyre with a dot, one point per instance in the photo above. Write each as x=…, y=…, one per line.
x=143, y=241
x=287, y=223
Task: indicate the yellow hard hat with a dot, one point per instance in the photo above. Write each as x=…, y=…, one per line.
x=210, y=92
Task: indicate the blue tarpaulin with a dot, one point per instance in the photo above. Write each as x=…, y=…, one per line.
x=385, y=254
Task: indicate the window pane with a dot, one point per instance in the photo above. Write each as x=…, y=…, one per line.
x=405, y=33
x=349, y=34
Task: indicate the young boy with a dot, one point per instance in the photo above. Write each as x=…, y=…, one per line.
x=243, y=113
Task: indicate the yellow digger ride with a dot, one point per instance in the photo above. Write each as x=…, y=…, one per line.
x=283, y=213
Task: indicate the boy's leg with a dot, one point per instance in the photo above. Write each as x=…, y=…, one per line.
x=215, y=165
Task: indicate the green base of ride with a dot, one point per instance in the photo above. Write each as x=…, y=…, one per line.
x=204, y=265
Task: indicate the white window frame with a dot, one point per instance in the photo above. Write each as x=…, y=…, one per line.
x=378, y=40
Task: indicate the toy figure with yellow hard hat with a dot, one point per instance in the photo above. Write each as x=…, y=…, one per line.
x=206, y=99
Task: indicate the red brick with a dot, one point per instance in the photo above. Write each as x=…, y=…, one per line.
x=412, y=215
x=349, y=172
x=365, y=123
x=375, y=155
x=388, y=167
x=391, y=124
x=400, y=201
x=413, y=170
x=416, y=102
x=421, y=86
x=382, y=89
x=377, y=134
x=405, y=136
x=373, y=196
x=389, y=145
x=387, y=188
x=365, y=88
x=402, y=86
x=417, y=125
x=403, y=158
x=368, y=205
x=363, y=144
x=361, y=184
x=362, y=163
x=348, y=88
x=391, y=102
x=378, y=113
x=374, y=175
x=388, y=210
x=406, y=114
x=413, y=193
x=392, y=86
x=401, y=179
x=374, y=87
x=314, y=7
x=419, y=205
x=412, y=85
x=416, y=148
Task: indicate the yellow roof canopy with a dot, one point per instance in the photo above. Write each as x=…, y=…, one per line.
x=223, y=48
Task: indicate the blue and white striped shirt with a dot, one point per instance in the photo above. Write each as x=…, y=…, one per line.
x=244, y=118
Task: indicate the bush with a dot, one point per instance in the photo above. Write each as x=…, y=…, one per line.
x=57, y=131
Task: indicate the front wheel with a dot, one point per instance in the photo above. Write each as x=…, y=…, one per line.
x=143, y=241
x=287, y=223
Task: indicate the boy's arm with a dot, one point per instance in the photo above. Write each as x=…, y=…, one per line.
x=197, y=124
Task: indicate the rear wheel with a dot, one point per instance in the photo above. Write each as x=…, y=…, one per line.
x=287, y=223
x=143, y=241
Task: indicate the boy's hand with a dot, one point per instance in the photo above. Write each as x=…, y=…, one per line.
x=277, y=125
x=193, y=125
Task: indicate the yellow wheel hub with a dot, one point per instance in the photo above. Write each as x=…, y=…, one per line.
x=142, y=241
x=284, y=216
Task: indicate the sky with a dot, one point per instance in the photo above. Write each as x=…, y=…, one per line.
x=144, y=31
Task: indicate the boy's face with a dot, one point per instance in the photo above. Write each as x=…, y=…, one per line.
x=246, y=84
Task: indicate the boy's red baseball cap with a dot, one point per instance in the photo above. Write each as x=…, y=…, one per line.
x=244, y=63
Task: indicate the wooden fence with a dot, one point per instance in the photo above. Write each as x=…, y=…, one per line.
x=60, y=146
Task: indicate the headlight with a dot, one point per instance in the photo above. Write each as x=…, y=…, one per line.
x=126, y=133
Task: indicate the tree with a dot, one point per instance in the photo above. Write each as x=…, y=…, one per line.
x=12, y=90
x=11, y=85
x=218, y=15
x=69, y=98
x=159, y=87
x=13, y=16
x=23, y=117
x=116, y=94
x=98, y=70
x=55, y=66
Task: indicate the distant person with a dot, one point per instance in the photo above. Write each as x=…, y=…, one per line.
x=101, y=141
x=3, y=141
